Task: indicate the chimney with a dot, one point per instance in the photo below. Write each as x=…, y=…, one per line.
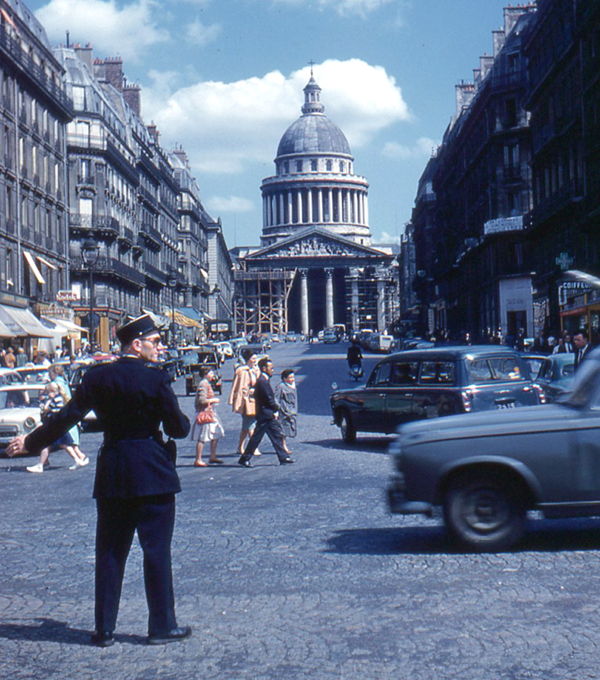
x=84, y=54
x=498, y=41
x=131, y=94
x=110, y=70
x=154, y=133
x=464, y=94
x=513, y=14
x=485, y=64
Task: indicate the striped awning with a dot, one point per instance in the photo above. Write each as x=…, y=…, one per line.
x=183, y=320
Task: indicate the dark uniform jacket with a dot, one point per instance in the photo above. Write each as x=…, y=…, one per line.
x=266, y=405
x=131, y=399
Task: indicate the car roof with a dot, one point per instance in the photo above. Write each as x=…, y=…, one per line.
x=22, y=386
x=453, y=352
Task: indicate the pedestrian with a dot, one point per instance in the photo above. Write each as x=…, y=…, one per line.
x=57, y=374
x=207, y=426
x=564, y=346
x=52, y=399
x=266, y=418
x=10, y=360
x=287, y=398
x=136, y=480
x=241, y=396
x=22, y=358
x=582, y=347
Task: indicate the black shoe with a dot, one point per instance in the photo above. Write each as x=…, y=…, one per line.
x=172, y=636
x=103, y=638
x=244, y=461
x=288, y=460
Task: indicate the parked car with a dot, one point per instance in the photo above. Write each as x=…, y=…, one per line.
x=19, y=410
x=554, y=373
x=33, y=373
x=428, y=383
x=9, y=376
x=205, y=357
x=487, y=470
x=90, y=423
x=330, y=336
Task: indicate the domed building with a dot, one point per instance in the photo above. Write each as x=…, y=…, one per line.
x=316, y=266
x=315, y=184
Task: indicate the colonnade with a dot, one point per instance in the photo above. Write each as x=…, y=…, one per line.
x=316, y=206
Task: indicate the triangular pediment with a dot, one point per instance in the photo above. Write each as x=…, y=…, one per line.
x=315, y=242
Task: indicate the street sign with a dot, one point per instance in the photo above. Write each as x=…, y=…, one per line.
x=67, y=296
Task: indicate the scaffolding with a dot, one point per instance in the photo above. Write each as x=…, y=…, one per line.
x=260, y=303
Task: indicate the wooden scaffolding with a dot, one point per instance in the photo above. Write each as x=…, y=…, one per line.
x=260, y=303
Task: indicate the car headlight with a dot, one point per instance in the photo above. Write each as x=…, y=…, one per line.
x=29, y=423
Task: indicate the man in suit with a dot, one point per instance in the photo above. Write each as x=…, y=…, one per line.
x=582, y=346
x=266, y=418
x=136, y=480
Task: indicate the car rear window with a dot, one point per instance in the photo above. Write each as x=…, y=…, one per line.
x=495, y=369
x=404, y=372
x=438, y=373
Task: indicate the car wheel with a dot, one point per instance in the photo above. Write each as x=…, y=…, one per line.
x=483, y=512
x=347, y=429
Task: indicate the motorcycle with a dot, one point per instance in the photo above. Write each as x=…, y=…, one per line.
x=356, y=371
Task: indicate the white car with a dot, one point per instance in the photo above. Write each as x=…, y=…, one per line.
x=9, y=376
x=19, y=410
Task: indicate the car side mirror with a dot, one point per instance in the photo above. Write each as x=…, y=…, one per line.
x=334, y=386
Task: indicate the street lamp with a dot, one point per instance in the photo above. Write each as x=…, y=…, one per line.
x=172, y=284
x=89, y=253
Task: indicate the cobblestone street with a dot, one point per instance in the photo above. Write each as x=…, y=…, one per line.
x=294, y=572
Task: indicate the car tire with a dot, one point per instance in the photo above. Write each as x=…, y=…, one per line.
x=347, y=429
x=484, y=512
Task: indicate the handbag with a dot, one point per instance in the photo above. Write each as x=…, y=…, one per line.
x=249, y=406
x=206, y=416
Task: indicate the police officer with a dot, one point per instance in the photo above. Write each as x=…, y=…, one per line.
x=136, y=480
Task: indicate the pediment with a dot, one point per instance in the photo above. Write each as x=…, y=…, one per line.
x=315, y=242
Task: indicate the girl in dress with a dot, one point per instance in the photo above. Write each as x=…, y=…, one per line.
x=211, y=429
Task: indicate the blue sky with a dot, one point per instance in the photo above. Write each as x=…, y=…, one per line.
x=224, y=79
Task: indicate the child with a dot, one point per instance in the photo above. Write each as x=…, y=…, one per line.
x=287, y=398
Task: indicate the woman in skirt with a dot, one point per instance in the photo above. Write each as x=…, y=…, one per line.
x=207, y=426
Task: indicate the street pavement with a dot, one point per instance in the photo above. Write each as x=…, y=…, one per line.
x=294, y=572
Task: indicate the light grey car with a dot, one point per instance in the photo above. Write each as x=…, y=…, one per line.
x=487, y=469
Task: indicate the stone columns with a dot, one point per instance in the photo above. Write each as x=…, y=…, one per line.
x=290, y=210
x=339, y=202
x=330, y=204
x=380, y=276
x=354, y=208
x=355, y=318
x=304, y=301
x=299, y=206
x=329, y=319
x=309, y=205
x=281, y=210
x=320, y=202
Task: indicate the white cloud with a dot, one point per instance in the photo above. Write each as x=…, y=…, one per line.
x=423, y=147
x=126, y=31
x=386, y=237
x=201, y=34
x=225, y=204
x=226, y=126
x=342, y=7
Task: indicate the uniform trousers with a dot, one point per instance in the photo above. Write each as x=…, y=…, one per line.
x=272, y=428
x=118, y=519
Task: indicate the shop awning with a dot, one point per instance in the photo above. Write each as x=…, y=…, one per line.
x=183, y=320
x=49, y=264
x=34, y=268
x=67, y=326
x=22, y=323
x=5, y=331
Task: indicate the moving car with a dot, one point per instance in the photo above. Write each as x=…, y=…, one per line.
x=19, y=410
x=205, y=357
x=428, y=383
x=486, y=470
x=553, y=373
x=330, y=336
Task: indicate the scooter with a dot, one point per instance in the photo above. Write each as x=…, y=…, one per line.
x=356, y=371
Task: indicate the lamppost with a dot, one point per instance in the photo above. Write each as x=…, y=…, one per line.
x=172, y=284
x=89, y=254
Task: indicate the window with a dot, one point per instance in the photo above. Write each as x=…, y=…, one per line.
x=479, y=371
x=404, y=373
x=298, y=166
x=78, y=97
x=313, y=165
x=438, y=373
x=342, y=166
x=328, y=166
x=381, y=374
x=506, y=368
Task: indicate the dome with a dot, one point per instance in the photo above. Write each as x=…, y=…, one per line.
x=313, y=133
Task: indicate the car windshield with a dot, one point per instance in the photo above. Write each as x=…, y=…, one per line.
x=19, y=398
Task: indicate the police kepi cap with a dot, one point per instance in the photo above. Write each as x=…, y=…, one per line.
x=142, y=325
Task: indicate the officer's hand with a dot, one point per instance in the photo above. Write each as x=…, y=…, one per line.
x=16, y=446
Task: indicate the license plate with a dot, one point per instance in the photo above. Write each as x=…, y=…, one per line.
x=510, y=404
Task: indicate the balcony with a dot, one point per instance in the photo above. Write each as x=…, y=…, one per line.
x=127, y=236
x=87, y=181
x=147, y=196
x=103, y=224
x=568, y=197
x=110, y=267
x=155, y=273
x=151, y=236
